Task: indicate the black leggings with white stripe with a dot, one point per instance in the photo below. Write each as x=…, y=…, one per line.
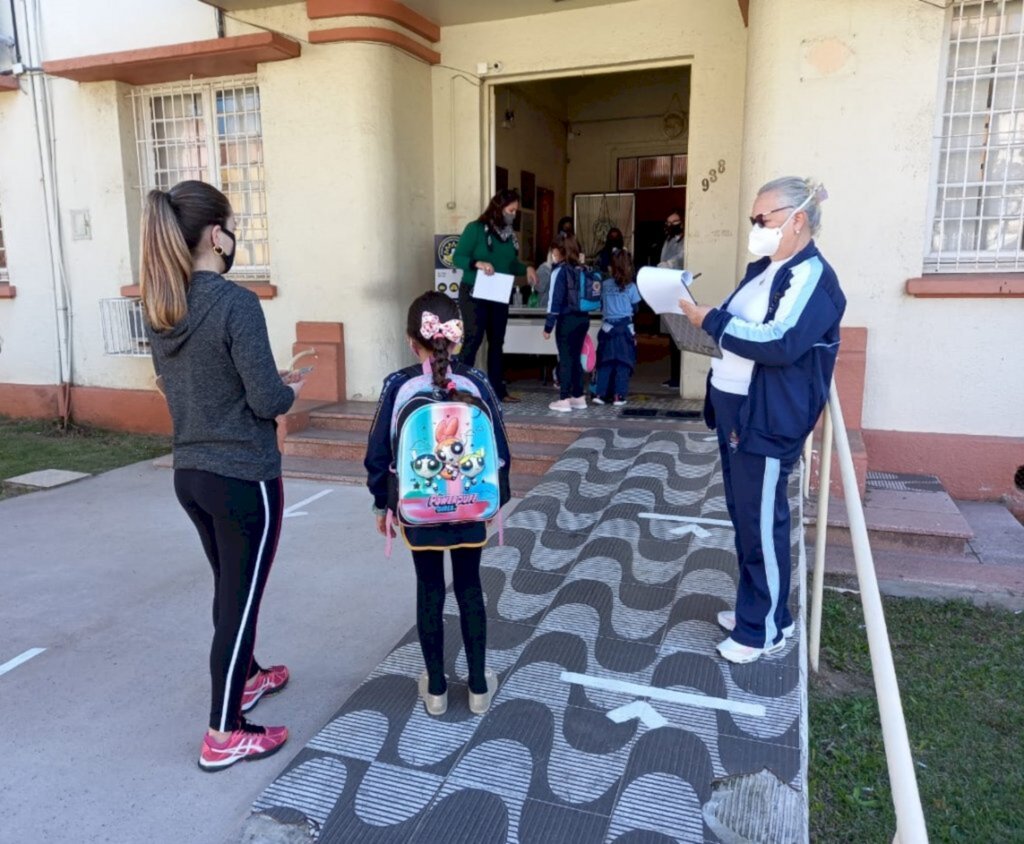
x=239, y=523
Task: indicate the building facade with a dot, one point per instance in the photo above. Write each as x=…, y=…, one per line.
x=348, y=133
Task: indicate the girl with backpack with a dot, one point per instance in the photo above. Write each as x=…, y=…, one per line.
x=212, y=357
x=616, y=342
x=445, y=468
x=567, y=318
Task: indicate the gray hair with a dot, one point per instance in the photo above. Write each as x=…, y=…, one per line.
x=795, y=191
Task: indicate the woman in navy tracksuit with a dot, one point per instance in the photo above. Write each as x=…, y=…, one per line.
x=779, y=335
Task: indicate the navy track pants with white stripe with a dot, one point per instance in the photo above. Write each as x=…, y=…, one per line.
x=239, y=523
x=755, y=493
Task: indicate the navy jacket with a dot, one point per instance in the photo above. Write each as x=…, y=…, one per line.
x=380, y=457
x=794, y=352
x=563, y=300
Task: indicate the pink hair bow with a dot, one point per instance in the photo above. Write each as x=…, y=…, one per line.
x=432, y=327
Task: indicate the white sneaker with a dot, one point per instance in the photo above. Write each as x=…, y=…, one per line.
x=597, y=400
x=727, y=621
x=562, y=406
x=436, y=705
x=479, y=704
x=742, y=654
x=578, y=403
x=619, y=402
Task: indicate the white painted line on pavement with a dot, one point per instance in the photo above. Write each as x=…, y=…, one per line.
x=697, y=520
x=19, y=659
x=291, y=512
x=609, y=685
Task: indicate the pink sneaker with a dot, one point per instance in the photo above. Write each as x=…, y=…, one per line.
x=249, y=741
x=562, y=406
x=267, y=682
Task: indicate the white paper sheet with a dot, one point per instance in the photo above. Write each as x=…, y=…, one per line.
x=493, y=288
x=663, y=288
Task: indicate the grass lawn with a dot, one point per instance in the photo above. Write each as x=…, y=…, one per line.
x=961, y=674
x=28, y=445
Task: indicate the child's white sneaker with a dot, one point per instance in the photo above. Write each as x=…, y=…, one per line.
x=578, y=403
x=619, y=401
x=562, y=406
x=597, y=400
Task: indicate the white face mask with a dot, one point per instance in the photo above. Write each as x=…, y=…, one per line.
x=764, y=242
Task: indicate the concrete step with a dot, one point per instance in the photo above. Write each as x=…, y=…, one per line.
x=901, y=520
x=906, y=573
x=352, y=472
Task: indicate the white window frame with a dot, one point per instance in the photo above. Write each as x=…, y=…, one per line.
x=941, y=183
x=5, y=276
x=251, y=228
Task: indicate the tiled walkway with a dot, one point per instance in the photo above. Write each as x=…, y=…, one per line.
x=615, y=720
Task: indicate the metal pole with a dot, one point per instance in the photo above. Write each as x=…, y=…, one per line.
x=820, y=535
x=902, y=778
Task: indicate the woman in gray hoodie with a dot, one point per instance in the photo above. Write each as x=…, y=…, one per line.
x=212, y=355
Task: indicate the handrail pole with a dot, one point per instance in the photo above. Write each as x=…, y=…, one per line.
x=911, y=828
x=808, y=455
x=820, y=536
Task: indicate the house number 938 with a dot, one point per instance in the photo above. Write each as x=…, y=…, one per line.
x=712, y=175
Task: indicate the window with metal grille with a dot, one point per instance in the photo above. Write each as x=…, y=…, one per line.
x=652, y=172
x=210, y=131
x=3, y=253
x=978, y=220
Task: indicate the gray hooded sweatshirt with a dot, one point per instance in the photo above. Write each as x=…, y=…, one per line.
x=221, y=382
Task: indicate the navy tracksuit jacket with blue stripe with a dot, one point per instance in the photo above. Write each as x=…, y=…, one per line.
x=761, y=434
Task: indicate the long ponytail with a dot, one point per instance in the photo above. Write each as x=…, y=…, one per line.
x=172, y=225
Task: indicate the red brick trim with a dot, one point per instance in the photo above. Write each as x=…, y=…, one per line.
x=970, y=467
x=175, y=62
x=29, y=401
x=388, y=9
x=377, y=35
x=967, y=286
x=9, y=83
x=263, y=289
x=8, y=291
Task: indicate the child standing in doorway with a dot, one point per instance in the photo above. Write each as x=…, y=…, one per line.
x=434, y=330
x=569, y=322
x=616, y=342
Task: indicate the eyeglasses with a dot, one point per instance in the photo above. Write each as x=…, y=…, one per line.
x=759, y=219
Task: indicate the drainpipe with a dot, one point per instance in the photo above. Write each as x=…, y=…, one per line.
x=17, y=44
x=46, y=149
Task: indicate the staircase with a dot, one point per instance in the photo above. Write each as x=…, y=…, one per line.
x=327, y=442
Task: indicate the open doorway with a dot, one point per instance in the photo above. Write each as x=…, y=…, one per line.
x=565, y=143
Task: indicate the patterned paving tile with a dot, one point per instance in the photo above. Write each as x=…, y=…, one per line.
x=614, y=715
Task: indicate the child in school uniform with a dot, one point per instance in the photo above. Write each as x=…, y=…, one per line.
x=434, y=330
x=616, y=342
x=569, y=323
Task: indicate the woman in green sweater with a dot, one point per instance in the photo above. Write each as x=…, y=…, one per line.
x=489, y=245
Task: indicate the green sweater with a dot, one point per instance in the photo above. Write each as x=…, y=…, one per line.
x=473, y=247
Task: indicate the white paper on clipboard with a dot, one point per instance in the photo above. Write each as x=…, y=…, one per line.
x=662, y=289
x=494, y=288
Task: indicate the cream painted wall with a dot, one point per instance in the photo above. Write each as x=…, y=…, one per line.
x=349, y=162
x=537, y=144
x=846, y=92
x=711, y=36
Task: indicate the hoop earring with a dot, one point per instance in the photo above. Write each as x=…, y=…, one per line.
x=218, y=251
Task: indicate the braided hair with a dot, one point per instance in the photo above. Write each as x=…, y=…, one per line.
x=440, y=347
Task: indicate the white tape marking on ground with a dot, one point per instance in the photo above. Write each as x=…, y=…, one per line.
x=639, y=709
x=609, y=685
x=697, y=520
x=292, y=512
x=696, y=530
x=19, y=659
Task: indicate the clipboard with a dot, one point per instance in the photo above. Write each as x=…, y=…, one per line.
x=662, y=289
x=494, y=288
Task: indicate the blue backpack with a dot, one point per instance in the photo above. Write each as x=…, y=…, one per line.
x=583, y=288
x=446, y=455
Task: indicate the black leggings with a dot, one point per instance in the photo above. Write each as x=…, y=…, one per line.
x=570, y=333
x=239, y=523
x=430, y=594
x=482, y=318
